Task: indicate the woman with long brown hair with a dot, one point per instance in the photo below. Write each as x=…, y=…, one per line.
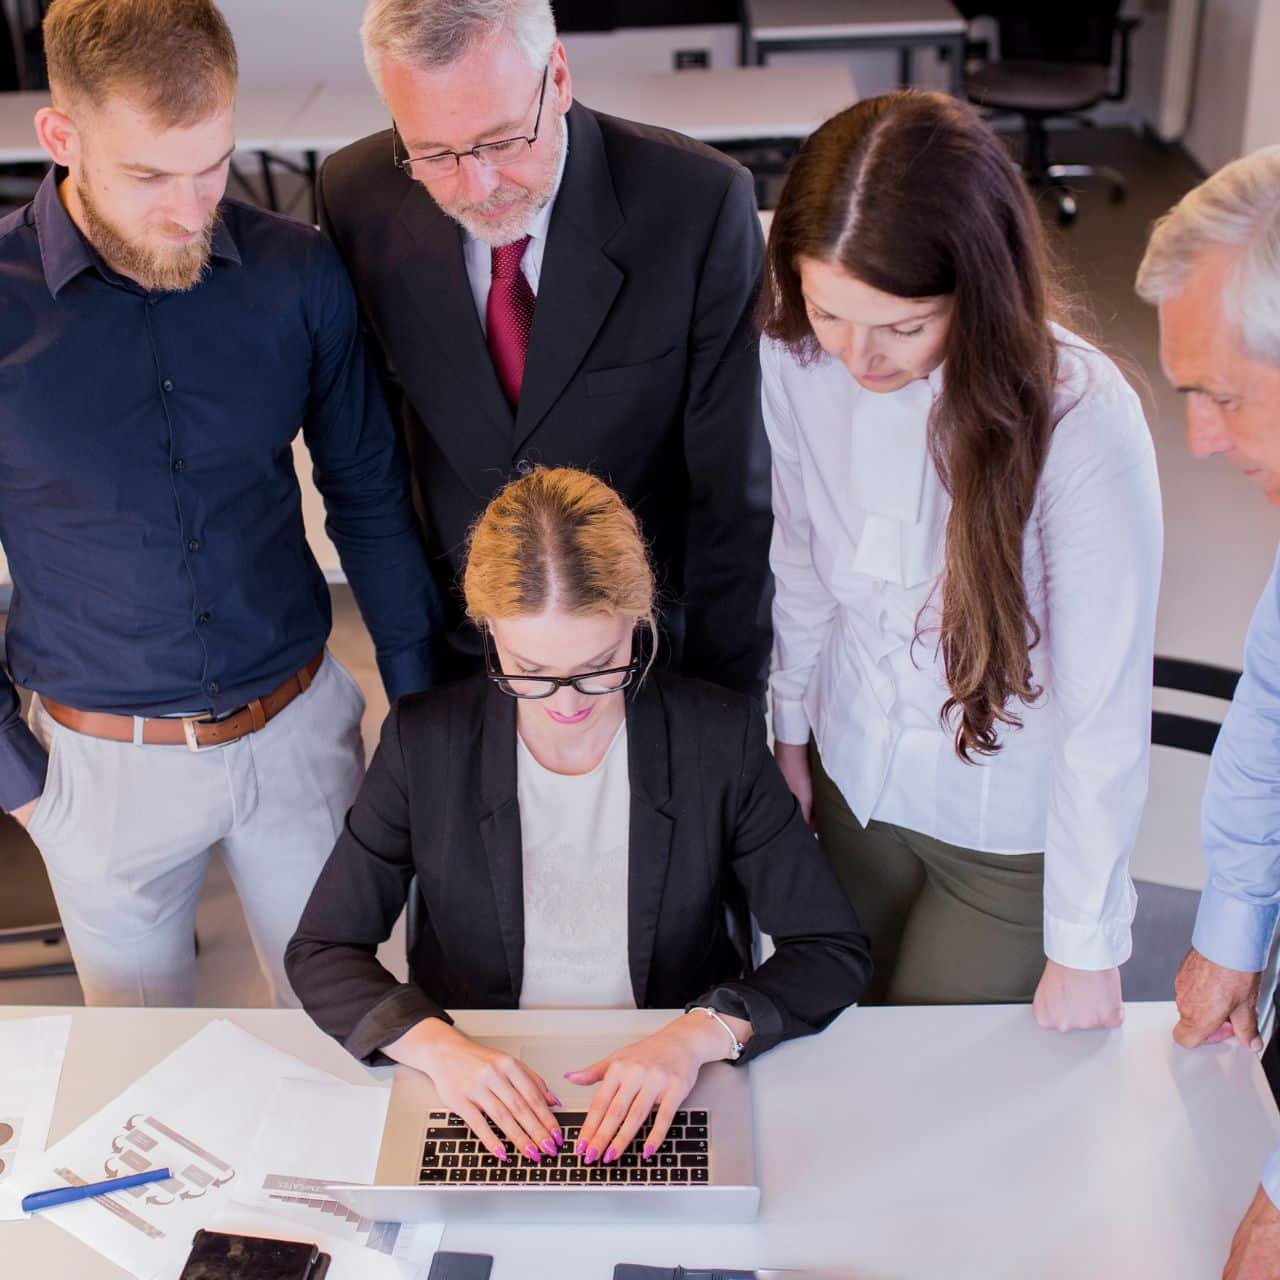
x=578, y=827
x=967, y=552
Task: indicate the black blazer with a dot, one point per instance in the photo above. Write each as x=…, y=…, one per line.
x=711, y=818
x=642, y=368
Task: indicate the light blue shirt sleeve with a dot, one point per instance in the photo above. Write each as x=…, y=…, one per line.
x=1240, y=819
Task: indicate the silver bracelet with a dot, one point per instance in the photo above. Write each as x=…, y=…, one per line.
x=736, y=1052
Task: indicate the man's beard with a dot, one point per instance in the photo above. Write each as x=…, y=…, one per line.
x=517, y=223
x=174, y=270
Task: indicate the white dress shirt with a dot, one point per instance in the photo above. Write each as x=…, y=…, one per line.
x=858, y=550
x=575, y=839
x=478, y=256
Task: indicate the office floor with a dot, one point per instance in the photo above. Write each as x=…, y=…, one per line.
x=1220, y=541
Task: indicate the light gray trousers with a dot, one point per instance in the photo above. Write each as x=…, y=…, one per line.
x=126, y=832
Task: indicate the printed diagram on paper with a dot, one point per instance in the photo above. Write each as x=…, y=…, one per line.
x=143, y=1143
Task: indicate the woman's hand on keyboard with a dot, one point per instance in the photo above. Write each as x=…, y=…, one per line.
x=658, y=1071
x=483, y=1085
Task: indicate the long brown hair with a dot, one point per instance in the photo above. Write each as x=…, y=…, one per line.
x=914, y=195
x=558, y=538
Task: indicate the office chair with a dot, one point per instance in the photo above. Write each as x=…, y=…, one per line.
x=1055, y=61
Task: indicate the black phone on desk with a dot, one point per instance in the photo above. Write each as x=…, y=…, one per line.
x=219, y=1255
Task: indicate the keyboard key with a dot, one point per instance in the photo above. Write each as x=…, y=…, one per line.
x=575, y=1118
x=696, y=1131
x=678, y=1131
x=668, y=1160
x=682, y=1117
x=489, y=1162
x=699, y=1175
x=538, y=1175
x=697, y=1117
x=499, y=1174
x=429, y=1149
x=442, y=1116
x=450, y=1162
x=616, y=1174
x=577, y=1175
x=691, y=1145
x=520, y=1173
x=449, y=1148
x=630, y=1160
x=457, y=1175
x=470, y=1162
x=568, y=1159
x=433, y=1175
x=597, y=1174
x=638, y=1175
x=449, y=1131
x=679, y=1175
x=559, y=1175
x=455, y=1119
x=471, y=1146
x=694, y=1162
x=657, y=1175
x=433, y=1162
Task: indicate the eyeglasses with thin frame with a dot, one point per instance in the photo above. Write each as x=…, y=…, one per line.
x=492, y=155
x=594, y=684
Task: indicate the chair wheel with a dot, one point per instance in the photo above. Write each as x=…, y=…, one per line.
x=1067, y=209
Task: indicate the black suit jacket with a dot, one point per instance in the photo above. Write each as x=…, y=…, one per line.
x=711, y=822
x=642, y=367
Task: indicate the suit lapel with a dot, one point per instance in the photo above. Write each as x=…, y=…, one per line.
x=500, y=827
x=578, y=282
x=652, y=829
x=435, y=279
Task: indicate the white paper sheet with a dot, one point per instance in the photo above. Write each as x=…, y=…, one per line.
x=314, y=1133
x=196, y=1112
x=31, y=1054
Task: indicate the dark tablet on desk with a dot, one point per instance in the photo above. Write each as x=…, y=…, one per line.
x=215, y=1255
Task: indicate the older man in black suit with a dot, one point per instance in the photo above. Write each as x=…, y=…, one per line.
x=550, y=285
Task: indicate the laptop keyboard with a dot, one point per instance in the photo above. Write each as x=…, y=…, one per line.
x=451, y=1156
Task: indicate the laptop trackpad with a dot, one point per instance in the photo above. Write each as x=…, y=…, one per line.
x=551, y=1058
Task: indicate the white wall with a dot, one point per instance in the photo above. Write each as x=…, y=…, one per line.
x=1262, y=114
x=1220, y=105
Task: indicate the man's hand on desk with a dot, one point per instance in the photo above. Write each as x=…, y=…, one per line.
x=658, y=1071
x=22, y=814
x=1215, y=1004
x=476, y=1082
x=1255, y=1249
x=1078, y=999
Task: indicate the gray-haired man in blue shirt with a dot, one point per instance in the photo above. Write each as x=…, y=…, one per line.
x=160, y=347
x=1213, y=269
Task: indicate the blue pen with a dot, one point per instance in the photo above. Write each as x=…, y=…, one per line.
x=65, y=1195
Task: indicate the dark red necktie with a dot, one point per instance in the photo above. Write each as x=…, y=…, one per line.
x=509, y=317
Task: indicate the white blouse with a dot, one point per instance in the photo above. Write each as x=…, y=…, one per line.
x=858, y=550
x=575, y=839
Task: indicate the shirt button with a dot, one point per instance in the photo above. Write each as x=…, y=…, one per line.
x=204, y=618
x=524, y=466
x=167, y=385
x=213, y=687
x=179, y=464
x=194, y=544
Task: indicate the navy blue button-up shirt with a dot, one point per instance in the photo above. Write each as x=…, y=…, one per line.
x=149, y=505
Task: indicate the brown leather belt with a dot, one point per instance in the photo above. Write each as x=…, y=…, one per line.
x=194, y=732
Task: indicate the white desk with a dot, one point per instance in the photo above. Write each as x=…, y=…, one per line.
x=902, y=1144
x=792, y=26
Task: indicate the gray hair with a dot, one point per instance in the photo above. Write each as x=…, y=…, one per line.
x=1239, y=206
x=436, y=33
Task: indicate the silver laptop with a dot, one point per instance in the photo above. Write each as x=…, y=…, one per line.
x=431, y=1168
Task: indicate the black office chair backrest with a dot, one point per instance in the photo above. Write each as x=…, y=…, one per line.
x=1190, y=733
x=1082, y=31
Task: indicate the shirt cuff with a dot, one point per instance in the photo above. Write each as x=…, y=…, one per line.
x=399, y=1011
x=1233, y=932
x=790, y=722
x=1101, y=945
x=409, y=671
x=1271, y=1177
x=24, y=765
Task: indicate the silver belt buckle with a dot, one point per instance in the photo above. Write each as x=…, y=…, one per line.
x=189, y=732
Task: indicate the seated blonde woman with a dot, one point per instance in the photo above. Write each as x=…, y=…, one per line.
x=578, y=826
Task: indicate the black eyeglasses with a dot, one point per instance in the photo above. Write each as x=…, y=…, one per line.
x=595, y=684
x=492, y=155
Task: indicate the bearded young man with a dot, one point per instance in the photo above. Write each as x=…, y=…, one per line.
x=159, y=348
x=549, y=285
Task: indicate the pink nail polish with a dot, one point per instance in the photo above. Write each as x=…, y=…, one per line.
x=533, y=1153
x=592, y=1155
x=611, y=1155
x=648, y=1151
x=501, y=1154
x=549, y=1147
x=580, y=1149
x=555, y=1102
x=557, y=1136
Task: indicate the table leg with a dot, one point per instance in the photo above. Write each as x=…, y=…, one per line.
x=904, y=67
